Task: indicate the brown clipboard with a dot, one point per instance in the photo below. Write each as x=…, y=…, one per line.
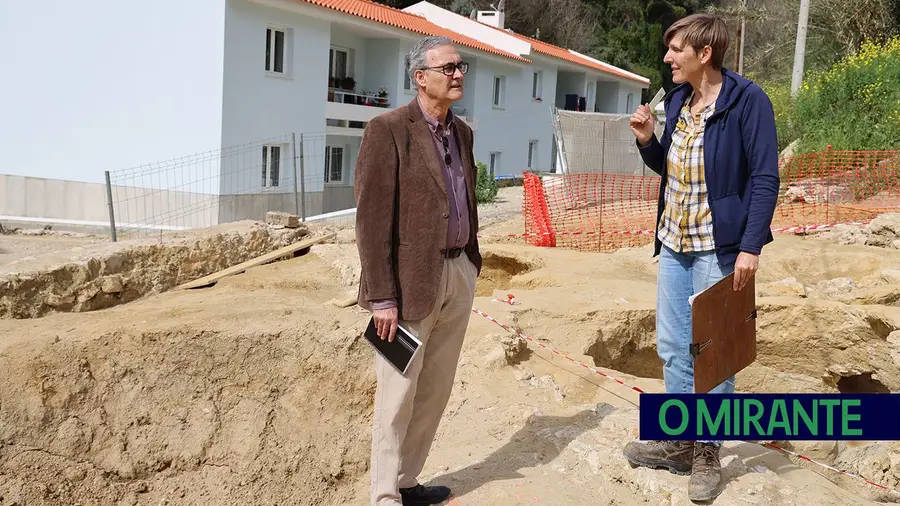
x=723, y=324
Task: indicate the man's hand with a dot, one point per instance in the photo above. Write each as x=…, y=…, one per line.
x=642, y=124
x=386, y=322
x=744, y=268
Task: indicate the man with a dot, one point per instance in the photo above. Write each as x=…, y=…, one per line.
x=718, y=159
x=416, y=221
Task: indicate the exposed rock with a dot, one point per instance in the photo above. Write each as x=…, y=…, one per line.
x=835, y=288
x=513, y=348
x=108, y=274
x=788, y=152
x=878, y=462
x=846, y=234
x=789, y=286
x=111, y=284
x=282, y=219
x=884, y=230
x=817, y=191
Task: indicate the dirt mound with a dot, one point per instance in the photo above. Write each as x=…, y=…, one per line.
x=258, y=391
x=263, y=399
x=108, y=274
x=883, y=231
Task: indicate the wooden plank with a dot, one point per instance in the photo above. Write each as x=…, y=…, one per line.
x=243, y=266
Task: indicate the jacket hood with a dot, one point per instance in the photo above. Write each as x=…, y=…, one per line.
x=733, y=86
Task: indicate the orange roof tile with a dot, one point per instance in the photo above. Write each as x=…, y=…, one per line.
x=407, y=21
x=564, y=54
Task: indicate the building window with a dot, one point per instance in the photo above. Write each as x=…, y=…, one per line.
x=406, y=84
x=629, y=103
x=339, y=63
x=537, y=84
x=275, y=50
x=334, y=164
x=494, y=165
x=499, y=88
x=532, y=153
x=271, y=163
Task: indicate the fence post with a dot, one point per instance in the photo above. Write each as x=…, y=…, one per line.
x=294, y=160
x=109, y=200
x=302, y=184
x=602, y=182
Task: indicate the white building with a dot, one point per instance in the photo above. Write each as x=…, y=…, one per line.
x=206, y=100
x=513, y=101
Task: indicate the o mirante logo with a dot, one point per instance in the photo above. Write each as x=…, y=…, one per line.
x=770, y=416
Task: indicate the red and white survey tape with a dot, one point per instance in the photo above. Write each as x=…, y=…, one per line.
x=794, y=229
x=826, y=466
x=638, y=390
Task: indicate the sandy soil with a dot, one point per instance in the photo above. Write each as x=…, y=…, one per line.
x=20, y=247
x=257, y=390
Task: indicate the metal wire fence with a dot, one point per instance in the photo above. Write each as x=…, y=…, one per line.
x=308, y=175
x=598, y=143
x=598, y=212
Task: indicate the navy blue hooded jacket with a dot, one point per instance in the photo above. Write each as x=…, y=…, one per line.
x=740, y=154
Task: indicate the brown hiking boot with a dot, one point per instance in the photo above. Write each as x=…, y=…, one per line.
x=672, y=455
x=706, y=476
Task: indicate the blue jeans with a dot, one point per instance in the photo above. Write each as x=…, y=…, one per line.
x=681, y=275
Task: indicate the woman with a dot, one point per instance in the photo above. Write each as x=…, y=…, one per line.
x=718, y=158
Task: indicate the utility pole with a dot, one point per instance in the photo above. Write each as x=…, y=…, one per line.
x=800, y=48
x=743, y=35
x=739, y=39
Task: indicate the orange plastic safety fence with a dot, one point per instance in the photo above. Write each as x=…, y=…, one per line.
x=595, y=212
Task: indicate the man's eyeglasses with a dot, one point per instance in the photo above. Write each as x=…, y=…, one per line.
x=450, y=68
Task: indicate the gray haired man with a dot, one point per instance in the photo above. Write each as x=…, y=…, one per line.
x=416, y=225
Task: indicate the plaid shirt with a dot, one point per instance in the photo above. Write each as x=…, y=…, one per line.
x=686, y=224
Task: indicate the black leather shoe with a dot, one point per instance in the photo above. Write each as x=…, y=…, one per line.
x=424, y=496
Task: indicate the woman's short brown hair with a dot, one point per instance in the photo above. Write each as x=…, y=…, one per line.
x=701, y=30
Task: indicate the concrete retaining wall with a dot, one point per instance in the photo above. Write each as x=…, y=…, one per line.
x=83, y=206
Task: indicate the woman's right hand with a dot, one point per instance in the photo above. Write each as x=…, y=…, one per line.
x=642, y=124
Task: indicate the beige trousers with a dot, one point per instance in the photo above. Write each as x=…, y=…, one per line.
x=408, y=409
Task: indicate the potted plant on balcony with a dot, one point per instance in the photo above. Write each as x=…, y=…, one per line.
x=382, y=100
x=363, y=98
x=348, y=83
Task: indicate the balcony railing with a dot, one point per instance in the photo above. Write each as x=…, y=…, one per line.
x=370, y=99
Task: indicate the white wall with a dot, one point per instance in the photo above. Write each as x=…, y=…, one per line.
x=471, y=85
x=624, y=90
x=259, y=106
x=521, y=119
x=100, y=85
x=609, y=96
x=83, y=204
x=382, y=69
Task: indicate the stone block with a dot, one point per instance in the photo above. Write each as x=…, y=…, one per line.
x=282, y=219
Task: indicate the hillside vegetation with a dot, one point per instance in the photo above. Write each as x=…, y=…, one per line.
x=850, y=95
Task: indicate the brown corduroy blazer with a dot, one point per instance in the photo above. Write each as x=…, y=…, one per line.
x=402, y=210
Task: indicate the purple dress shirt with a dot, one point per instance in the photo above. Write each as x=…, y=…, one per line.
x=455, y=183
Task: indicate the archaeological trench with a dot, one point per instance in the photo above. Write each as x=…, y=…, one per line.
x=119, y=387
